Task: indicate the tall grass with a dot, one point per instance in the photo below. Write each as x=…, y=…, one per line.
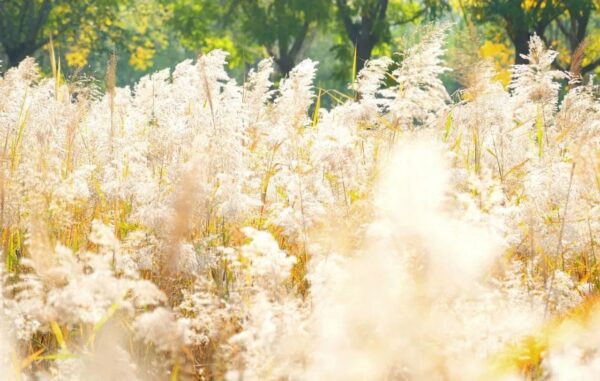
x=193, y=228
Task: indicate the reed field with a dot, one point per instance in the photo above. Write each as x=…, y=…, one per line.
x=192, y=227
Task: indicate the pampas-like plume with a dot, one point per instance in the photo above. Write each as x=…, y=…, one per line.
x=194, y=228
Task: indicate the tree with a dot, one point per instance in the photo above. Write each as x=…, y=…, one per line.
x=366, y=30
x=367, y=22
x=281, y=27
x=521, y=19
x=574, y=27
x=27, y=25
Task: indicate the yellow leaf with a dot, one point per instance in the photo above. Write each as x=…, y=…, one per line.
x=501, y=55
x=58, y=334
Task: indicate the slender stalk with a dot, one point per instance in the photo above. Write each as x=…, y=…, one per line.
x=559, y=245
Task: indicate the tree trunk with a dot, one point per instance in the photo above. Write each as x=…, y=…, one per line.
x=520, y=41
x=286, y=59
x=285, y=64
x=364, y=49
x=366, y=32
x=17, y=54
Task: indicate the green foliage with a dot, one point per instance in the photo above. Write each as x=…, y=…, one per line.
x=201, y=26
x=369, y=23
x=147, y=35
x=567, y=19
x=28, y=25
x=282, y=26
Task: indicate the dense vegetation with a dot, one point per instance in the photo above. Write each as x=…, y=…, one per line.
x=149, y=35
x=194, y=228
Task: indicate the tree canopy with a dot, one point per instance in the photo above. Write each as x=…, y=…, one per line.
x=343, y=34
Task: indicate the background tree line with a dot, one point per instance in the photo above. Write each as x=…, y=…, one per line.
x=147, y=35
